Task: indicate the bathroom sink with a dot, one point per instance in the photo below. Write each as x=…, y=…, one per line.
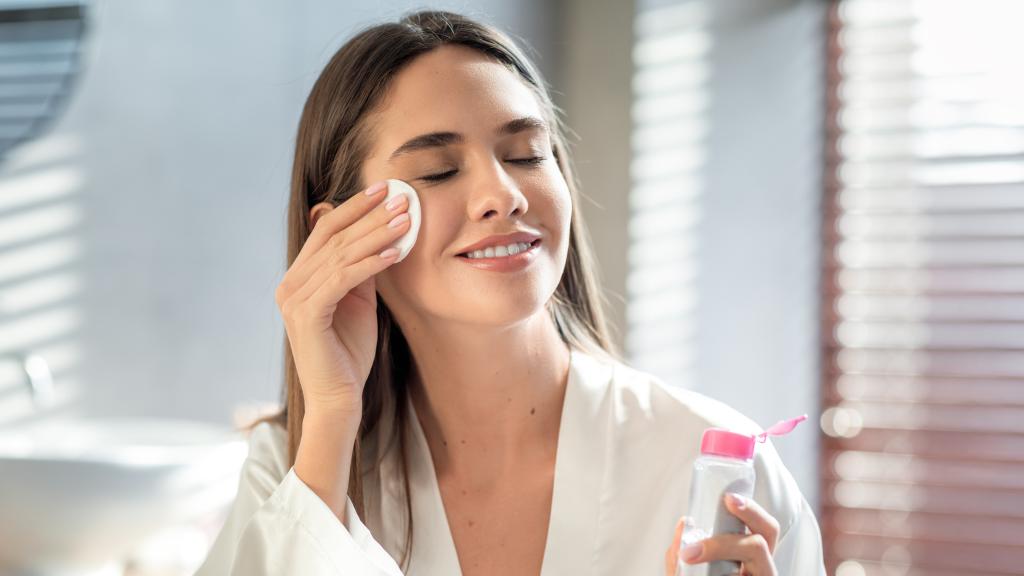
x=77, y=496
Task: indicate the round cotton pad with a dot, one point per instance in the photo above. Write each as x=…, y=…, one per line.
x=408, y=240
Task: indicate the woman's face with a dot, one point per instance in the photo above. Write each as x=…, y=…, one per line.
x=469, y=189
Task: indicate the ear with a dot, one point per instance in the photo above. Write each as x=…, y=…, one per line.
x=317, y=211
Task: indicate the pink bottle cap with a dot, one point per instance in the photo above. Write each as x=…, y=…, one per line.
x=721, y=442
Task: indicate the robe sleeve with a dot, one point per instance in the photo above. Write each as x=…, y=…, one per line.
x=799, y=549
x=279, y=526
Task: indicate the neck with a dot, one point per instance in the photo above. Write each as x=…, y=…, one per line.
x=488, y=399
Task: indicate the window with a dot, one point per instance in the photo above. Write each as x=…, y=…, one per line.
x=924, y=289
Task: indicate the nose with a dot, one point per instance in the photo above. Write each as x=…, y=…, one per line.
x=495, y=194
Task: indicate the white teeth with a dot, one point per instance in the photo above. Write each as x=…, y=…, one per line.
x=500, y=251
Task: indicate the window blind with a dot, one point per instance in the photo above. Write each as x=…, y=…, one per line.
x=923, y=459
x=670, y=124
x=39, y=53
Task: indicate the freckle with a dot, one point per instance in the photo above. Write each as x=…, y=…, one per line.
x=471, y=523
x=463, y=441
x=445, y=442
x=463, y=492
x=509, y=398
x=532, y=410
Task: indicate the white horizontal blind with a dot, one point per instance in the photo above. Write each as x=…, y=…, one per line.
x=923, y=466
x=670, y=125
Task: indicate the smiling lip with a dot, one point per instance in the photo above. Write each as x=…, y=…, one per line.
x=501, y=240
x=505, y=263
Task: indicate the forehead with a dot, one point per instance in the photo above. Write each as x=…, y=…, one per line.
x=451, y=88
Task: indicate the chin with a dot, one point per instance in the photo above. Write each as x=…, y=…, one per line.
x=496, y=309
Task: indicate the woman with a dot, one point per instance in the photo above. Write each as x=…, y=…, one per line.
x=469, y=419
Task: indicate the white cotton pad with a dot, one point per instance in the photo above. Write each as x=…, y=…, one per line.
x=408, y=240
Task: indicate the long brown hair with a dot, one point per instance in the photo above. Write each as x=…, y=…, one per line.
x=330, y=148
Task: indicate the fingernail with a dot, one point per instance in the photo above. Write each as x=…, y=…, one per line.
x=376, y=188
x=398, y=220
x=692, y=551
x=737, y=500
x=395, y=202
x=389, y=253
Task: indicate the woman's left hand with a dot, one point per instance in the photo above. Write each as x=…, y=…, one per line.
x=754, y=551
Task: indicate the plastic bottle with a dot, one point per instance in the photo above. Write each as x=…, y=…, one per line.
x=725, y=464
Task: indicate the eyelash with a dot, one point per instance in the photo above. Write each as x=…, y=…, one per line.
x=445, y=175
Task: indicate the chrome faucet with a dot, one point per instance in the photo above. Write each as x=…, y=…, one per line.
x=37, y=376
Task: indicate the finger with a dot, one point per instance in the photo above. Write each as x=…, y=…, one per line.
x=336, y=248
x=322, y=303
x=755, y=517
x=369, y=246
x=342, y=216
x=672, y=554
x=379, y=216
x=750, y=549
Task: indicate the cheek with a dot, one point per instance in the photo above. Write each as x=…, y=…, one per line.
x=410, y=283
x=434, y=242
x=560, y=202
x=439, y=225
x=565, y=207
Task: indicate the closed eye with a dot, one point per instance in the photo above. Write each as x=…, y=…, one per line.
x=534, y=161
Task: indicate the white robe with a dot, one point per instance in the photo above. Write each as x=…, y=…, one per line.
x=626, y=445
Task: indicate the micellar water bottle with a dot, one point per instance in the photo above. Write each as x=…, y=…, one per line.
x=725, y=464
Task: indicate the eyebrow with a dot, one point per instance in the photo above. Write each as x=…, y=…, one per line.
x=441, y=139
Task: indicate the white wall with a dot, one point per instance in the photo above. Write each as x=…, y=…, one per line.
x=759, y=274
x=759, y=317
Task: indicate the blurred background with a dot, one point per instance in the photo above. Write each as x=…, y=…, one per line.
x=798, y=206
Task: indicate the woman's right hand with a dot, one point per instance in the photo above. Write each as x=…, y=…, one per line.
x=328, y=298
